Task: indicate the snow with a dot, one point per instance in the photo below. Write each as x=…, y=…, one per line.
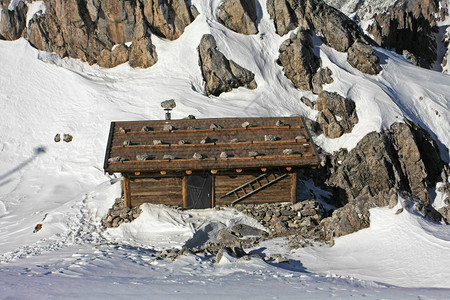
x=406, y=243
x=34, y=8
x=168, y=228
x=63, y=187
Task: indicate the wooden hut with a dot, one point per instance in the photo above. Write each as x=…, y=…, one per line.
x=200, y=163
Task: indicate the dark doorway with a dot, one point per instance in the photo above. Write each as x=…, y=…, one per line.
x=199, y=190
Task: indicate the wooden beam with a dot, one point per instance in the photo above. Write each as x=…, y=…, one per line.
x=126, y=190
x=184, y=190
x=213, y=191
x=294, y=187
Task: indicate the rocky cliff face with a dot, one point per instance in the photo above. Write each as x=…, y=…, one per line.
x=12, y=23
x=408, y=25
x=108, y=32
x=403, y=158
x=337, y=30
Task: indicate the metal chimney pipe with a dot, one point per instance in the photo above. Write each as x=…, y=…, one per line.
x=168, y=105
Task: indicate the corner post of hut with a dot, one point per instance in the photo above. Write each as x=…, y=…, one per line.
x=126, y=190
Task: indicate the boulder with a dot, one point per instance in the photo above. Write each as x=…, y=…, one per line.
x=298, y=60
x=322, y=76
x=362, y=57
x=242, y=230
x=228, y=239
x=239, y=15
x=307, y=102
x=331, y=106
x=338, y=30
x=220, y=74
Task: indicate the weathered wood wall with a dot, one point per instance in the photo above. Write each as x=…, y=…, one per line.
x=277, y=192
x=165, y=190
x=169, y=190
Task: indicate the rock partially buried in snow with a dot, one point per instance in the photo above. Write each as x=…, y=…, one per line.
x=67, y=138
x=57, y=138
x=362, y=57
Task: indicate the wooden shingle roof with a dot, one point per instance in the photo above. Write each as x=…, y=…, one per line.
x=221, y=144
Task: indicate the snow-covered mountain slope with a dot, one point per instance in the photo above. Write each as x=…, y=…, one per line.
x=64, y=184
x=364, y=8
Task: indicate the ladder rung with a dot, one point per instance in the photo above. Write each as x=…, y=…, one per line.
x=260, y=188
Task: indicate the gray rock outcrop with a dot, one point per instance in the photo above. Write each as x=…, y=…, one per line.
x=408, y=25
x=322, y=76
x=338, y=31
x=167, y=18
x=109, y=32
x=288, y=14
x=119, y=214
x=298, y=60
x=220, y=74
x=12, y=23
x=362, y=57
x=337, y=115
x=403, y=158
x=239, y=15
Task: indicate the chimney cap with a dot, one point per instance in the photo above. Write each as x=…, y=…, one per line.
x=168, y=104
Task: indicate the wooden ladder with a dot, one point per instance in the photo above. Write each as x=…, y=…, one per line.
x=261, y=182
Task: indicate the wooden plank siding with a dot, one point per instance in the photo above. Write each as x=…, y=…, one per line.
x=278, y=192
x=163, y=190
